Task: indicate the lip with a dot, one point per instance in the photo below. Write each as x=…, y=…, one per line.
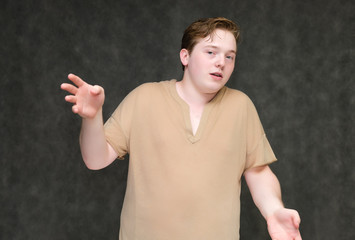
x=216, y=75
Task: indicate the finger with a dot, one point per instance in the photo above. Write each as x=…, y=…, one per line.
x=296, y=220
x=69, y=88
x=70, y=98
x=96, y=90
x=76, y=80
x=296, y=223
x=75, y=109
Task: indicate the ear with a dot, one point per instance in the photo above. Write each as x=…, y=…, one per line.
x=184, y=57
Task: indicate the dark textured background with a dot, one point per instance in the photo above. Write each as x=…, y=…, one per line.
x=295, y=62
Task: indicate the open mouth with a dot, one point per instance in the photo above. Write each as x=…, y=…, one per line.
x=217, y=75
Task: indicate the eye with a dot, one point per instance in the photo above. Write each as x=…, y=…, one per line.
x=230, y=57
x=210, y=52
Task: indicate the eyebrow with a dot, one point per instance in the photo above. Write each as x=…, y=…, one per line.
x=215, y=47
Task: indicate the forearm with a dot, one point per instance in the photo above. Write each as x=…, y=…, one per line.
x=93, y=145
x=265, y=190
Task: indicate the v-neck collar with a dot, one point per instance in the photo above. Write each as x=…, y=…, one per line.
x=186, y=112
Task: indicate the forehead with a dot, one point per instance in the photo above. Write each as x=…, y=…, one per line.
x=220, y=38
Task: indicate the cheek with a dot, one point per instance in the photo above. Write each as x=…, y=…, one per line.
x=232, y=65
x=199, y=64
x=229, y=69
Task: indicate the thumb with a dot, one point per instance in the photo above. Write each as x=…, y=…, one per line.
x=96, y=90
x=296, y=221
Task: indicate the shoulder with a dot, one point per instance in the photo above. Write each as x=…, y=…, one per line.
x=234, y=95
x=150, y=92
x=237, y=101
x=148, y=87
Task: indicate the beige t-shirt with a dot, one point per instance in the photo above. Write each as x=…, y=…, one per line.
x=182, y=186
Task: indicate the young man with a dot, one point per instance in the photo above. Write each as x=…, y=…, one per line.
x=190, y=142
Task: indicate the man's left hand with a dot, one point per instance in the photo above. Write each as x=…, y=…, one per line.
x=284, y=224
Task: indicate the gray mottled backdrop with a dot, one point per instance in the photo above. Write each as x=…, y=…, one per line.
x=296, y=62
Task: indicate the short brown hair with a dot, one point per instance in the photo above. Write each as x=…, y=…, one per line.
x=205, y=27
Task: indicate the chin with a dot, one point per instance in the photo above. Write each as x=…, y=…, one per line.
x=217, y=85
x=213, y=89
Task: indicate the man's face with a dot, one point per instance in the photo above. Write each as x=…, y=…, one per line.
x=211, y=63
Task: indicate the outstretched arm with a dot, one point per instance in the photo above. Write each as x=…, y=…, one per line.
x=283, y=224
x=87, y=102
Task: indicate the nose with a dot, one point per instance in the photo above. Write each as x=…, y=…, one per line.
x=220, y=61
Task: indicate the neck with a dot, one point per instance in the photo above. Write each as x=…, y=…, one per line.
x=191, y=95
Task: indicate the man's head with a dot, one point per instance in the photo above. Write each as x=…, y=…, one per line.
x=205, y=27
x=208, y=53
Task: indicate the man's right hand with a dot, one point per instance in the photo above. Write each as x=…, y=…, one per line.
x=87, y=99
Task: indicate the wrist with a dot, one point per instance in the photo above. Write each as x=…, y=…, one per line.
x=273, y=209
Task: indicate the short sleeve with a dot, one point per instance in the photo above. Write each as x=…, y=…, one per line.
x=259, y=151
x=117, y=127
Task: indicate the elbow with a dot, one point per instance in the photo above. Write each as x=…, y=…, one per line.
x=93, y=164
x=93, y=167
